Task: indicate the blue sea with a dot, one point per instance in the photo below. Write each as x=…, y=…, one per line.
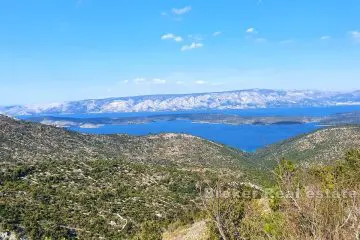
x=245, y=137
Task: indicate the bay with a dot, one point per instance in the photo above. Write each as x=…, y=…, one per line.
x=244, y=137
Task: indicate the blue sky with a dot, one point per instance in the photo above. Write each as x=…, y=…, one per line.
x=52, y=50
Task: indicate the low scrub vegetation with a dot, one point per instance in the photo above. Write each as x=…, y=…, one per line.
x=109, y=199
x=317, y=202
x=56, y=184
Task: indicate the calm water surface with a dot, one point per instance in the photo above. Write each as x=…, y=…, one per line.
x=244, y=137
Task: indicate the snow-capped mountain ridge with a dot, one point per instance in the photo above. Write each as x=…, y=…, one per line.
x=241, y=99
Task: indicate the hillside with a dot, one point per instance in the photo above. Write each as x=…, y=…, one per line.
x=342, y=119
x=29, y=142
x=59, y=183
x=111, y=199
x=241, y=99
x=321, y=146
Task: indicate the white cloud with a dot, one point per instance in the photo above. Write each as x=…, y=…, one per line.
x=178, y=39
x=159, y=81
x=325, y=38
x=164, y=14
x=138, y=81
x=251, y=30
x=141, y=80
x=216, y=33
x=355, y=36
x=200, y=82
x=172, y=36
x=180, y=11
x=196, y=37
x=191, y=46
x=124, y=82
x=167, y=36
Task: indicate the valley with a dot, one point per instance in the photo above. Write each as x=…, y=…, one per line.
x=125, y=186
x=179, y=120
x=246, y=130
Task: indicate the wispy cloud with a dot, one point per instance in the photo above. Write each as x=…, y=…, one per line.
x=181, y=11
x=124, y=82
x=200, y=82
x=141, y=80
x=252, y=34
x=215, y=34
x=355, y=35
x=324, y=38
x=158, y=81
x=191, y=46
x=196, y=37
x=138, y=81
x=251, y=30
x=180, y=82
x=171, y=36
x=261, y=40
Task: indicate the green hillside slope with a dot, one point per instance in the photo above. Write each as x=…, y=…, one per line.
x=59, y=183
x=31, y=142
x=321, y=146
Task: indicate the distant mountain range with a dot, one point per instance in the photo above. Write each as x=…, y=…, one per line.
x=241, y=99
